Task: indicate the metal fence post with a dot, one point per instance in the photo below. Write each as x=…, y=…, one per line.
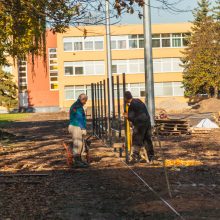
x=93, y=109
x=125, y=122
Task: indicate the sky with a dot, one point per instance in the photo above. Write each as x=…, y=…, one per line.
x=164, y=16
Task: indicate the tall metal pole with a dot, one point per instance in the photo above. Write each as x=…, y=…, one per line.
x=148, y=60
x=108, y=50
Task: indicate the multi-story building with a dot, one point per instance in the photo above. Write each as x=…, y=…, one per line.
x=78, y=58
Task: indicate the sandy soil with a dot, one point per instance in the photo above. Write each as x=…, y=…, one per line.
x=108, y=189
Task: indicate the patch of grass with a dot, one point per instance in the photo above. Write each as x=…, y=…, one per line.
x=7, y=118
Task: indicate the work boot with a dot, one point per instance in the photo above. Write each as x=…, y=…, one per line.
x=84, y=162
x=135, y=159
x=78, y=163
x=150, y=157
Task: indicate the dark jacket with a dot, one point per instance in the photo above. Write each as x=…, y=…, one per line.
x=138, y=114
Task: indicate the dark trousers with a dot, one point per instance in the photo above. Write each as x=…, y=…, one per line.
x=142, y=137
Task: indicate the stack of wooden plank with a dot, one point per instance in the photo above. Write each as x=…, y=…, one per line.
x=167, y=127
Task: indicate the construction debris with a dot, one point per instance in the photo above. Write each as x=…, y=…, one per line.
x=167, y=127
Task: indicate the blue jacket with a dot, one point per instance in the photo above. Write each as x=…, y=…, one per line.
x=77, y=115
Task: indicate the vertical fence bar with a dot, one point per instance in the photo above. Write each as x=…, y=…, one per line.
x=119, y=110
x=93, y=109
x=113, y=99
x=98, y=92
x=119, y=113
x=113, y=111
x=125, y=121
x=105, y=108
x=101, y=97
x=109, y=114
x=95, y=102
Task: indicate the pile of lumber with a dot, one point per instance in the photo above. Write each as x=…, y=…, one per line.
x=167, y=127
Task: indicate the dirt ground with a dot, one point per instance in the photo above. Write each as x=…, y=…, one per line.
x=108, y=189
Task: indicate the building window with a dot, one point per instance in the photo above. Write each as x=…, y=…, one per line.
x=79, y=70
x=73, y=92
x=119, y=42
x=170, y=40
x=128, y=66
x=127, y=42
x=89, y=45
x=168, y=89
x=122, y=44
x=22, y=76
x=161, y=89
x=78, y=46
x=176, y=40
x=165, y=40
x=178, y=89
x=53, y=69
x=136, y=41
x=84, y=68
x=137, y=89
x=164, y=65
x=99, y=45
x=83, y=44
x=136, y=66
x=156, y=40
x=68, y=70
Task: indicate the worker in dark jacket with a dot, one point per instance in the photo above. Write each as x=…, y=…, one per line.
x=139, y=117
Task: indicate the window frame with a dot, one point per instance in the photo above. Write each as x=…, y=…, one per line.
x=139, y=62
x=54, y=63
x=173, y=86
x=82, y=64
x=74, y=89
x=83, y=40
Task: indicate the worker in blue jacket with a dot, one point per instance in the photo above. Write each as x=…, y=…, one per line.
x=77, y=128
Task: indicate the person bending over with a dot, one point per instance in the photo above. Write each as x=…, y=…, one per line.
x=139, y=117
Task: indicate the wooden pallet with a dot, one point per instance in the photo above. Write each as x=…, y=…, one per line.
x=175, y=127
x=201, y=130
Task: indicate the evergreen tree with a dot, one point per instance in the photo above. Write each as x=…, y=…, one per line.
x=8, y=90
x=199, y=60
x=216, y=76
x=216, y=11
